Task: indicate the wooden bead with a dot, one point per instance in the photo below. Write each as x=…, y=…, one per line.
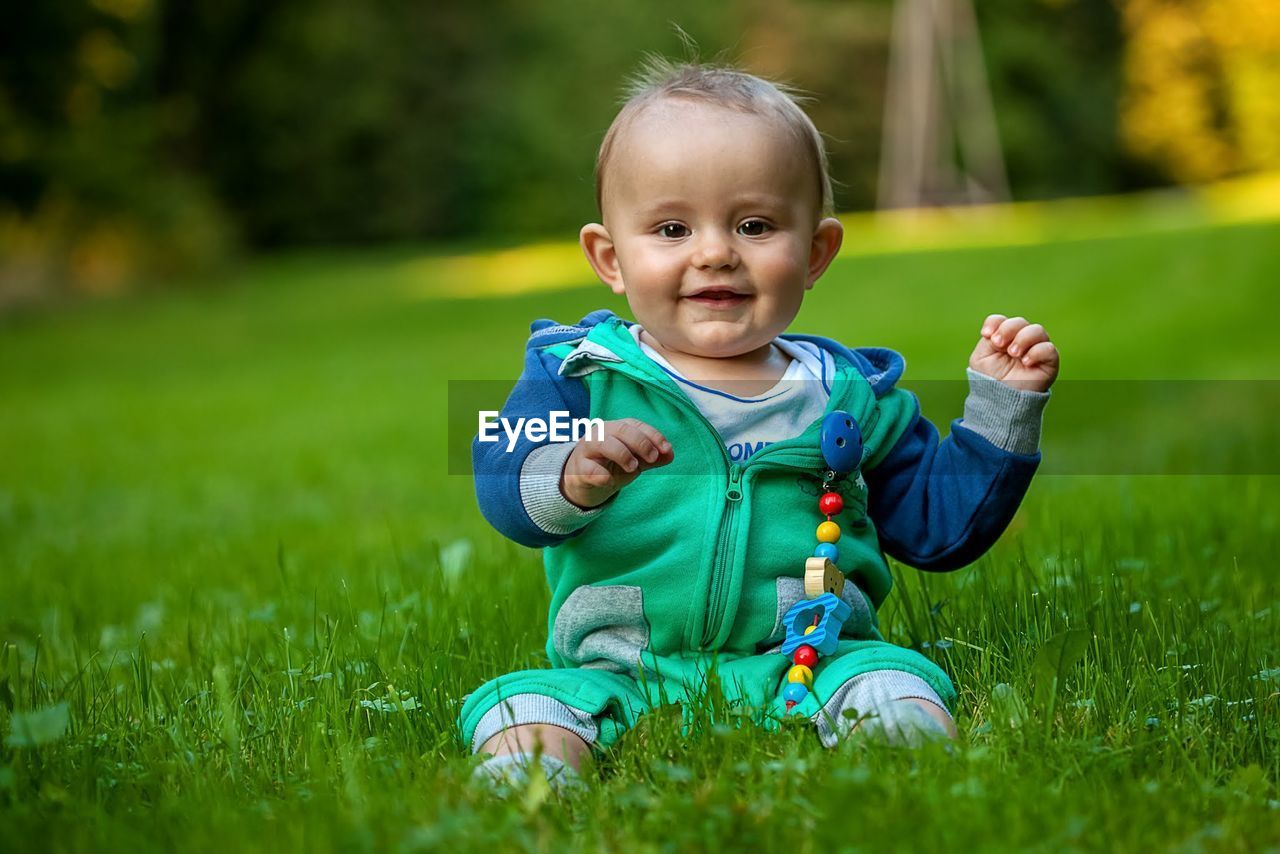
x=821, y=576
x=828, y=532
x=830, y=504
x=827, y=550
x=795, y=692
x=801, y=674
x=805, y=655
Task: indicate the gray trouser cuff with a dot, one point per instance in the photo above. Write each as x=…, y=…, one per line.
x=873, y=695
x=519, y=709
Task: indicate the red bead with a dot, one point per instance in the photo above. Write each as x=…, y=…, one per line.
x=805, y=655
x=830, y=504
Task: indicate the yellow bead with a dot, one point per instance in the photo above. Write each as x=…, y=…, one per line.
x=801, y=674
x=808, y=629
x=828, y=532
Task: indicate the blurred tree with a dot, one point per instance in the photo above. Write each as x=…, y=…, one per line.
x=837, y=52
x=89, y=194
x=940, y=144
x=1201, y=78
x=140, y=136
x=1054, y=67
x=403, y=121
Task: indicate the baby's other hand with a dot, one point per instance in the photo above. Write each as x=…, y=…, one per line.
x=1015, y=352
x=597, y=469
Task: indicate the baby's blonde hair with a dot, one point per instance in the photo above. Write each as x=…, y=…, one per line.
x=722, y=85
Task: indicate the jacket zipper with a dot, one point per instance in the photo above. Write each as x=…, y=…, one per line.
x=725, y=531
x=784, y=457
x=715, y=595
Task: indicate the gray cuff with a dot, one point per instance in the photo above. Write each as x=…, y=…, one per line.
x=534, y=709
x=871, y=694
x=1007, y=417
x=541, y=495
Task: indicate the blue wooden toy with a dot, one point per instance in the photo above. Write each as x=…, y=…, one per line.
x=815, y=623
x=841, y=442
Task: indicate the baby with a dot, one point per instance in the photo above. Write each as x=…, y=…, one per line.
x=676, y=541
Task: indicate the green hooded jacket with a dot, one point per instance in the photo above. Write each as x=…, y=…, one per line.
x=706, y=554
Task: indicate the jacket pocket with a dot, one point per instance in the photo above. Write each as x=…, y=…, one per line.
x=791, y=591
x=602, y=627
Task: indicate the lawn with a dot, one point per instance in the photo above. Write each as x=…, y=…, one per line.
x=243, y=594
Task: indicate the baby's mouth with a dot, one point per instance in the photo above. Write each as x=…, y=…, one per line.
x=719, y=298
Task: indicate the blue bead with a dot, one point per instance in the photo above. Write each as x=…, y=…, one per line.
x=827, y=550
x=841, y=442
x=795, y=692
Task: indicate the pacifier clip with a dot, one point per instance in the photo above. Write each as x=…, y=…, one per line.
x=813, y=624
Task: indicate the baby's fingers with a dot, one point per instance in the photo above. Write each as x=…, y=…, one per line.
x=615, y=451
x=1027, y=338
x=590, y=472
x=991, y=324
x=1006, y=331
x=642, y=440
x=1043, y=353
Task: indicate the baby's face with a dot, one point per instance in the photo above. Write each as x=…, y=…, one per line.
x=710, y=218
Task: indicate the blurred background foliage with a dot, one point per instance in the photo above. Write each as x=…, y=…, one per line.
x=150, y=140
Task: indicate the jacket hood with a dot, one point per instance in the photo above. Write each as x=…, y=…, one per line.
x=882, y=367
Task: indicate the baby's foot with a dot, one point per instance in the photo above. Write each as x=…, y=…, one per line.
x=509, y=773
x=902, y=723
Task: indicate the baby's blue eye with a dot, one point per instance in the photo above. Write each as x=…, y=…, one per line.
x=666, y=229
x=746, y=227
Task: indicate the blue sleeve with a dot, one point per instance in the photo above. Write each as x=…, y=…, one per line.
x=538, y=392
x=940, y=505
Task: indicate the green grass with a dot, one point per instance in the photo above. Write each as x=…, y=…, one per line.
x=228, y=541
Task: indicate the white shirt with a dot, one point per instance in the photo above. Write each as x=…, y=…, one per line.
x=747, y=424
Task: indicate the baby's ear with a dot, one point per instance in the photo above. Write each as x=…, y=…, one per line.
x=598, y=246
x=827, y=238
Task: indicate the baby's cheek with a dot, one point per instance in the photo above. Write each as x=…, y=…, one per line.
x=787, y=267
x=785, y=290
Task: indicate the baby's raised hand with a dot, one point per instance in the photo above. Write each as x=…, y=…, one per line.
x=596, y=469
x=1016, y=352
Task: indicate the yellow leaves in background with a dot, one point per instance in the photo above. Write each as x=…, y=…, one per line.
x=55, y=243
x=1201, y=78
x=106, y=64
x=106, y=59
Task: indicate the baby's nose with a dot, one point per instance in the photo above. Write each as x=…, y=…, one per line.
x=714, y=250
